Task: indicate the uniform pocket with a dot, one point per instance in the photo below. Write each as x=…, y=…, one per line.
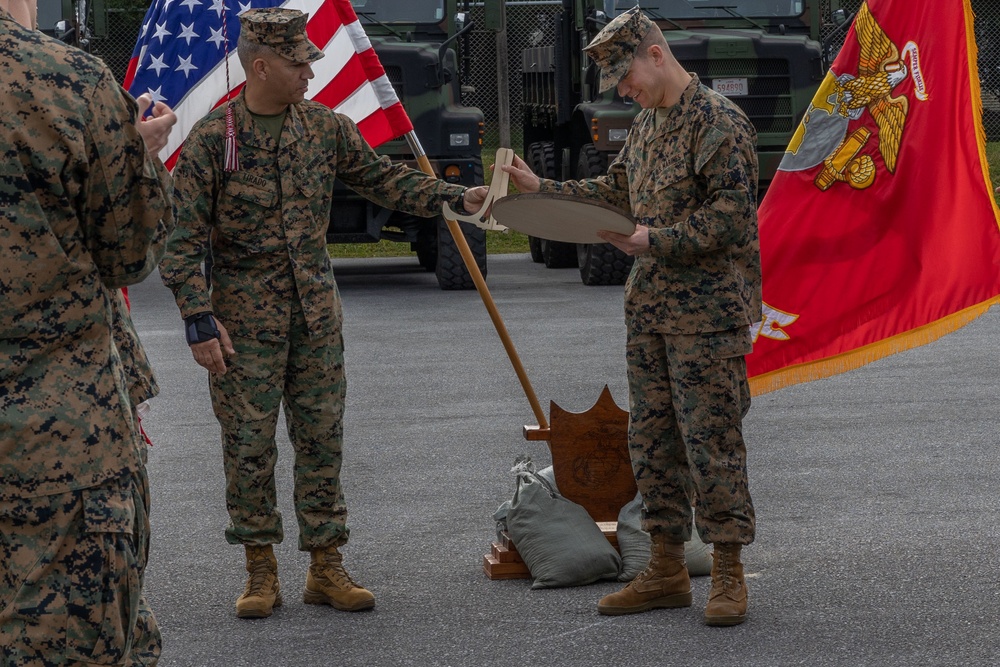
x=242, y=220
x=731, y=344
x=103, y=590
x=253, y=190
x=654, y=200
x=675, y=171
x=308, y=181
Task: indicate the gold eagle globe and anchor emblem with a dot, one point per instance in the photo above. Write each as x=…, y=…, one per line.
x=825, y=137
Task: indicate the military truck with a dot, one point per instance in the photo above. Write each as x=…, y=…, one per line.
x=415, y=41
x=763, y=54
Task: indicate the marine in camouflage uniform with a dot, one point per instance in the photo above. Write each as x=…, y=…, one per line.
x=84, y=211
x=273, y=291
x=688, y=174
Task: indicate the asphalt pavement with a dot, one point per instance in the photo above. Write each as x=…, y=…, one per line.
x=876, y=494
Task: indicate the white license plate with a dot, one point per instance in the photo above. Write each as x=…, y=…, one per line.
x=731, y=87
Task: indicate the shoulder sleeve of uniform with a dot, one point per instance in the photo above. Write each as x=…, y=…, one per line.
x=198, y=180
x=709, y=143
x=349, y=131
x=357, y=161
x=195, y=157
x=311, y=107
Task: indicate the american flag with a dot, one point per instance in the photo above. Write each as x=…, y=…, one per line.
x=184, y=45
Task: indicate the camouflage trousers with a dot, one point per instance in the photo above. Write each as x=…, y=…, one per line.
x=307, y=376
x=71, y=571
x=688, y=395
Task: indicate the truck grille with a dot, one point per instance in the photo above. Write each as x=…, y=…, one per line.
x=768, y=103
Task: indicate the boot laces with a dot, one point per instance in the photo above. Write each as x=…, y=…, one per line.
x=727, y=581
x=653, y=569
x=333, y=569
x=260, y=569
x=646, y=574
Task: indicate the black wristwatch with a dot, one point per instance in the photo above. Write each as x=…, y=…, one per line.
x=200, y=327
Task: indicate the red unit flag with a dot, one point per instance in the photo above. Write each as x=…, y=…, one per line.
x=879, y=232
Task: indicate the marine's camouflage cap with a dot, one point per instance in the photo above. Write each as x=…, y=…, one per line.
x=284, y=30
x=613, y=48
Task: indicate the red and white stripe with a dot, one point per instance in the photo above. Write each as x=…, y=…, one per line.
x=350, y=79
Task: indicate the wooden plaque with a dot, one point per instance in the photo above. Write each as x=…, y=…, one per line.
x=558, y=217
x=590, y=457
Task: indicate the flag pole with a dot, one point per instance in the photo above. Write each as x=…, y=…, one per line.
x=484, y=291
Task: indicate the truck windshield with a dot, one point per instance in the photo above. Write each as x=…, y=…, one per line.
x=399, y=11
x=708, y=9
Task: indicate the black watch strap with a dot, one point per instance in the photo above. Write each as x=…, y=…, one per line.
x=200, y=327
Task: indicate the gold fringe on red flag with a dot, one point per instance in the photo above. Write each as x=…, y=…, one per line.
x=854, y=359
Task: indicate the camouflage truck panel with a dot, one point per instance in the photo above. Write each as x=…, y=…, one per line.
x=449, y=133
x=772, y=78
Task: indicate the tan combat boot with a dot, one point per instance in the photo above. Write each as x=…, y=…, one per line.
x=262, y=592
x=328, y=583
x=727, y=601
x=664, y=584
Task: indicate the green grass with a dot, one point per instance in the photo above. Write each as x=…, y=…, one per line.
x=497, y=243
x=505, y=243
x=993, y=155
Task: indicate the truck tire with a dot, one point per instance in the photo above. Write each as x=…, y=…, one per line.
x=450, y=270
x=535, y=156
x=600, y=263
x=554, y=254
x=426, y=248
x=535, y=248
x=558, y=255
x=603, y=264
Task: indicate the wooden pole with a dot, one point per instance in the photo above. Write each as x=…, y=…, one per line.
x=484, y=291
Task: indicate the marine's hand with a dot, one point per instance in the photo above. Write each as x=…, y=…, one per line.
x=636, y=244
x=156, y=130
x=474, y=198
x=523, y=178
x=212, y=353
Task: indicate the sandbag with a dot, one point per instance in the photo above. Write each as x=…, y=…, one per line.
x=557, y=538
x=500, y=516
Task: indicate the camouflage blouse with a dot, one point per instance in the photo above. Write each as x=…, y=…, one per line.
x=267, y=221
x=84, y=210
x=691, y=177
